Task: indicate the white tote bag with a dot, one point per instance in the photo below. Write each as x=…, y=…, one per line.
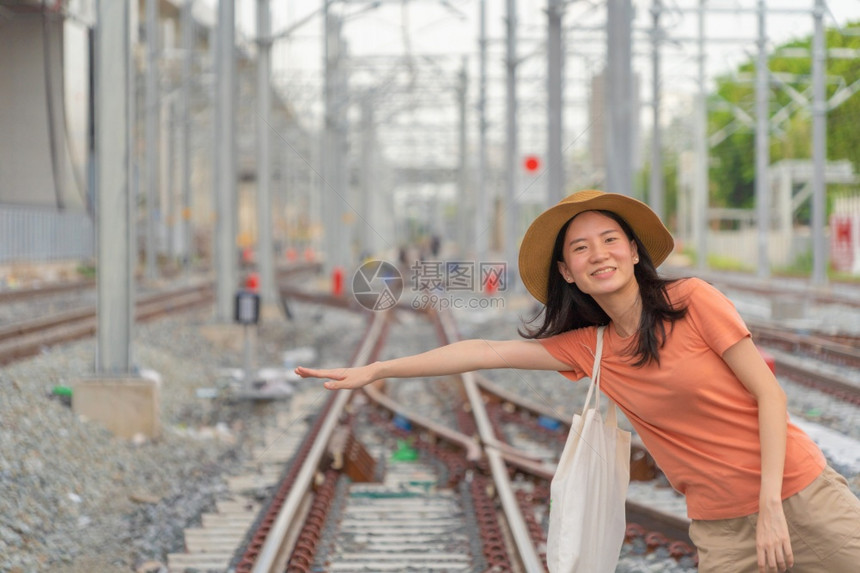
x=588, y=491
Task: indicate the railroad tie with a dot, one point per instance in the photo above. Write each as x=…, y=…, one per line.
x=213, y=544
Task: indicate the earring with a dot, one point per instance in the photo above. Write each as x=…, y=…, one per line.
x=635, y=260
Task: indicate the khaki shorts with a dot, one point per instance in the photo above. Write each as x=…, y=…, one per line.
x=823, y=521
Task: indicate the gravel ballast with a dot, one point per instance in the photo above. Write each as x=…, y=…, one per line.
x=74, y=498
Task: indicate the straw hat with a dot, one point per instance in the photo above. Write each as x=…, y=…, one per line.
x=536, y=249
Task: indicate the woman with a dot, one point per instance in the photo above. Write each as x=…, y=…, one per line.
x=680, y=363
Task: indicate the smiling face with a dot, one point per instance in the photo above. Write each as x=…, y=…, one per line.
x=598, y=256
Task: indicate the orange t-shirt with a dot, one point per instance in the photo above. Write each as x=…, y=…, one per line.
x=694, y=416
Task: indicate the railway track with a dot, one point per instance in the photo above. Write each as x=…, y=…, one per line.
x=23, y=339
x=460, y=499
x=782, y=288
x=414, y=512
x=821, y=346
x=792, y=351
x=27, y=338
x=13, y=295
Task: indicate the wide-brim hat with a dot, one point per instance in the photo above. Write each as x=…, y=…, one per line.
x=535, y=260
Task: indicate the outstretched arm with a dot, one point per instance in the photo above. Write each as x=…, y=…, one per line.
x=463, y=356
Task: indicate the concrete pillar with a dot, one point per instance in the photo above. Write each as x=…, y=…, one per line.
x=124, y=405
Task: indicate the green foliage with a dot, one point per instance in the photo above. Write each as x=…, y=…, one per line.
x=732, y=161
x=670, y=188
x=843, y=277
x=801, y=266
x=722, y=263
x=690, y=254
x=87, y=271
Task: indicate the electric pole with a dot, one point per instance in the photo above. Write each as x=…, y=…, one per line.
x=555, y=97
x=762, y=146
x=619, y=87
x=819, y=147
x=656, y=195
x=153, y=105
x=511, y=235
x=265, y=255
x=226, y=270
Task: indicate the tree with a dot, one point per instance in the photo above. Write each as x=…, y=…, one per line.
x=732, y=160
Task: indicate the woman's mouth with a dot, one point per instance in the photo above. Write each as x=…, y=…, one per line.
x=602, y=271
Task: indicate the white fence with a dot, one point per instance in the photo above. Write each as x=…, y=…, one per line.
x=742, y=246
x=33, y=234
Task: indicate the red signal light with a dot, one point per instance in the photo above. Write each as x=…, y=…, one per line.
x=531, y=163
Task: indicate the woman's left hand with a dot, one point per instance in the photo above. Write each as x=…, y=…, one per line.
x=773, y=544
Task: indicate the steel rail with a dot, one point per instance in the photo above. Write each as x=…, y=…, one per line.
x=828, y=382
x=529, y=557
x=519, y=401
x=473, y=450
x=816, y=343
x=523, y=403
x=22, y=340
x=12, y=295
x=749, y=284
x=8, y=295
x=23, y=328
x=276, y=542
x=299, y=294
x=13, y=329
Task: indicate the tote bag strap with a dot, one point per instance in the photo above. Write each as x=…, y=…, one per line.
x=595, y=374
x=594, y=387
x=611, y=415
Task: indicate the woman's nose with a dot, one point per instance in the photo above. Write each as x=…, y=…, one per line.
x=598, y=253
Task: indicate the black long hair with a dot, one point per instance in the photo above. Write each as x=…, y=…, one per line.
x=568, y=308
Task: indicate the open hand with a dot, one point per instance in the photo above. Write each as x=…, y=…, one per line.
x=339, y=378
x=773, y=544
